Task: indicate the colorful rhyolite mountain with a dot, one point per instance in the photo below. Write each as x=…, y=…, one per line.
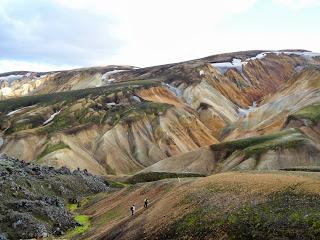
x=236, y=111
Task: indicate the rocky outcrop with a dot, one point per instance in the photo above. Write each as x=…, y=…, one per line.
x=34, y=198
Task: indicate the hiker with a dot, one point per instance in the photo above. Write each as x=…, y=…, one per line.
x=133, y=208
x=146, y=201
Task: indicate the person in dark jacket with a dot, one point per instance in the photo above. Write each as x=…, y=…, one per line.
x=146, y=202
x=133, y=209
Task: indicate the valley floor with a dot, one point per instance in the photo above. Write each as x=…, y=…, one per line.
x=233, y=205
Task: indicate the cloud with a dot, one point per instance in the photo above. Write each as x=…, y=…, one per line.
x=155, y=32
x=91, y=32
x=16, y=65
x=43, y=31
x=297, y=4
x=55, y=33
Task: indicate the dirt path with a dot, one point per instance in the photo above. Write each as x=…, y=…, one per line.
x=137, y=231
x=111, y=216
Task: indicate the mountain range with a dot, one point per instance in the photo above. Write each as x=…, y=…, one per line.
x=225, y=147
x=243, y=110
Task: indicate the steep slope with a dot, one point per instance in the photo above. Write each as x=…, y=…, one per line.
x=231, y=205
x=285, y=149
x=104, y=130
x=140, y=116
x=302, y=90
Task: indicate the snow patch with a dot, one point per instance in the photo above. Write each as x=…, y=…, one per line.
x=106, y=76
x=15, y=111
x=307, y=55
x=11, y=78
x=225, y=66
x=51, y=117
x=245, y=112
x=298, y=68
x=111, y=104
x=259, y=56
x=238, y=63
x=175, y=90
x=135, y=98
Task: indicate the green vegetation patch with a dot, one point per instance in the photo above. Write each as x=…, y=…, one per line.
x=200, y=223
x=62, y=121
x=82, y=108
x=303, y=168
x=29, y=122
x=155, y=176
x=84, y=222
x=311, y=112
x=72, y=207
x=52, y=148
x=283, y=215
x=52, y=98
x=115, y=184
x=289, y=138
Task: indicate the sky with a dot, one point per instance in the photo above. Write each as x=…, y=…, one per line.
x=44, y=35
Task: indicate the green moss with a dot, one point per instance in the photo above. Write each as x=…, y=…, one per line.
x=84, y=220
x=93, y=110
x=155, y=176
x=72, y=207
x=52, y=148
x=69, y=96
x=311, y=112
x=303, y=168
x=25, y=123
x=135, y=111
x=292, y=141
x=61, y=121
x=115, y=184
x=283, y=215
x=197, y=224
x=289, y=138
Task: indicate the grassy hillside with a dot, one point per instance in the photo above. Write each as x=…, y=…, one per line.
x=289, y=138
x=52, y=98
x=251, y=205
x=311, y=112
x=155, y=176
x=103, y=105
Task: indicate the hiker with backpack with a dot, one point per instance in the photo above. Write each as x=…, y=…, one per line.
x=146, y=201
x=133, y=209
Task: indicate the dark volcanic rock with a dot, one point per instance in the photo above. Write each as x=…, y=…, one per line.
x=26, y=226
x=3, y=236
x=33, y=198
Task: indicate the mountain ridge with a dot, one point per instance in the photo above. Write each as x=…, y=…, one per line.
x=139, y=117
